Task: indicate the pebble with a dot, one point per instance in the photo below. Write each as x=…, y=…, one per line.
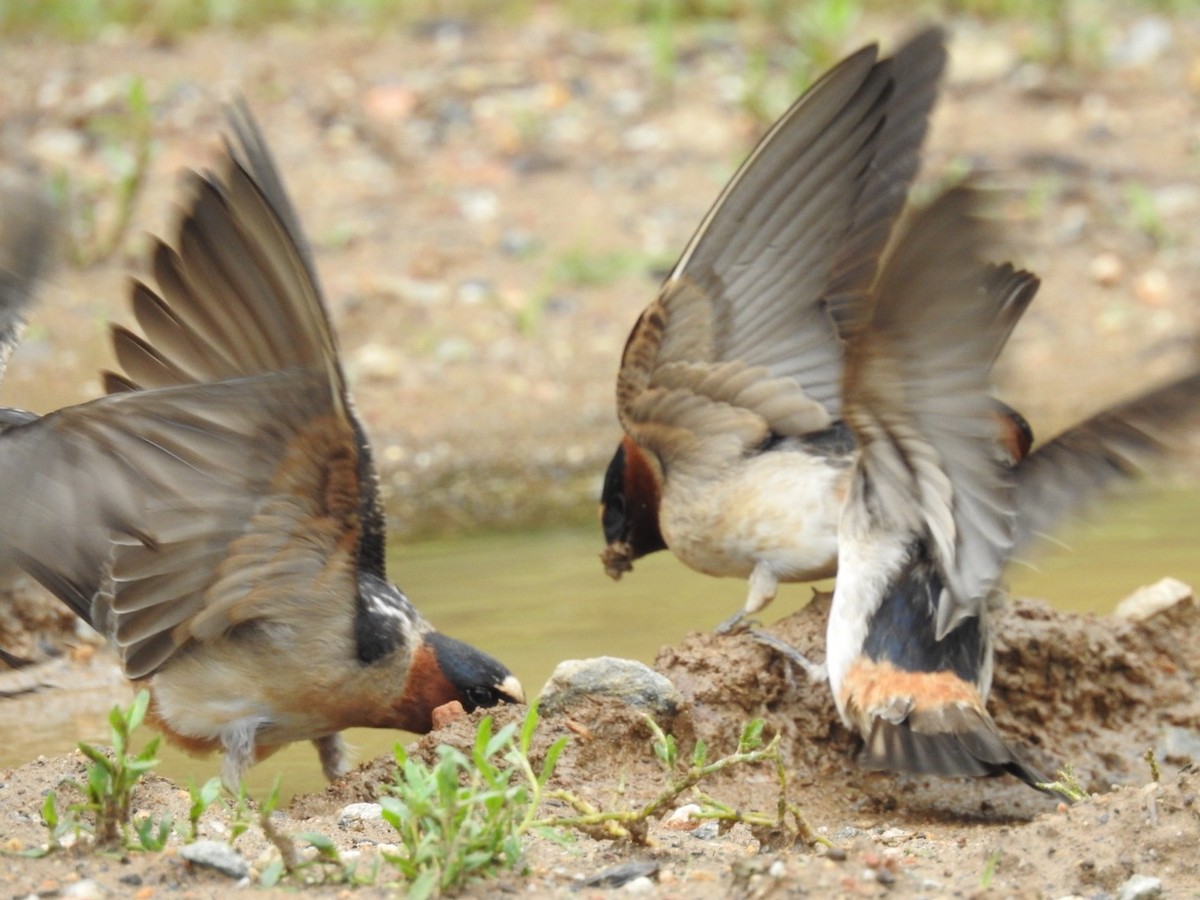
x=217, y=856
x=1140, y=887
x=1146, y=41
x=1152, y=287
x=87, y=889
x=1177, y=744
x=1150, y=600
x=1106, y=269
x=360, y=812
x=628, y=680
x=681, y=818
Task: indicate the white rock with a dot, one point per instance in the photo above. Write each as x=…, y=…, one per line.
x=360, y=812
x=1152, y=599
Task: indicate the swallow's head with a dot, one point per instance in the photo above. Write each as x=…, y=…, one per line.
x=445, y=670
x=629, y=505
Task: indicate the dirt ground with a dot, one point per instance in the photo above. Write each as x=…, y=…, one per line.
x=491, y=207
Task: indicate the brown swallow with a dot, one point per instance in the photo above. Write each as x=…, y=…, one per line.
x=736, y=455
x=934, y=512
x=217, y=517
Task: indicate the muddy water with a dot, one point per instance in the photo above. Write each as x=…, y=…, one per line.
x=533, y=599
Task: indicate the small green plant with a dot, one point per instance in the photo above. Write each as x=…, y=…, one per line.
x=783, y=828
x=1152, y=762
x=110, y=781
x=463, y=817
x=1066, y=785
x=989, y=870
x=201, y=799
x=325, y=866
x=57, y=826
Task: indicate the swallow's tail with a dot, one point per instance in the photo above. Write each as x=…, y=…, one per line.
x=946, y=739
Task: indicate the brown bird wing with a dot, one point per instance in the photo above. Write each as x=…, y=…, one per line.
x=1102, y=453
x=238, y=295
x=916, y=393
x=739, y=344
x=174, y=515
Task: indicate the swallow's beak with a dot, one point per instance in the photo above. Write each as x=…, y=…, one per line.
x=510, y=690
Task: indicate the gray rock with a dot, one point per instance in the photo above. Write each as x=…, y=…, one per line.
x=360, y=812
x=1140, y=887
x=1177, y=744
x=633, y=682
x=217, y=856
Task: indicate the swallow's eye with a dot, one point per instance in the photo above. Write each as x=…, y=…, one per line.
x=479, y=697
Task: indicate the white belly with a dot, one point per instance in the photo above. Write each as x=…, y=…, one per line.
x=778, y=509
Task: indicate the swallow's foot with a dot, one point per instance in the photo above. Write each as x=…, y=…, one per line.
x=815, y=671
x=736, y=624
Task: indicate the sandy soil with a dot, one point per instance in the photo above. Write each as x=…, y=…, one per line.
x=1092, y=693
x=489, y=206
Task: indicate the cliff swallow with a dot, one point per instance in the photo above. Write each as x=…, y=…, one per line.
x=736, y=455
x=930, y=514
x=217, y=517
x=940, y=500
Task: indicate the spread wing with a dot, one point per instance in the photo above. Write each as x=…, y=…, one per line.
x=1098, y=455
x=739, y=345
x=917, y=395
x=174, y=515
x=237, y=295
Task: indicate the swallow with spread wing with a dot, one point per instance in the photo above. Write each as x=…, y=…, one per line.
x=940, y=500
x=736, y=456
x=217, y=516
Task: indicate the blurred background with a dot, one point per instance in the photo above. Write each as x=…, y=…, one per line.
x=494, y=190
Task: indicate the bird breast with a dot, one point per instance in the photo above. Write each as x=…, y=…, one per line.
x=781, y=508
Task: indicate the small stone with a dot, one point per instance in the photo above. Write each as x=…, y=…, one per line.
x=1140, y=887
x=1178, y=745
x=622, y=875
x=446, y=713
x=360, y=812
x=1152, y=288
x=707, y=831
x=681, y=819
x=217, y=856
x=1150, y=600
x=640, y=885
x=1106, y=269
x=85, y=889
x=633, y=682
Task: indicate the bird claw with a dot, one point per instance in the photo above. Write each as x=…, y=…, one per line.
x=815, y=671
x=736, y=624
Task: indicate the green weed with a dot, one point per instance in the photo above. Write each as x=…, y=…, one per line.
x=464, y=817
x=111, y=780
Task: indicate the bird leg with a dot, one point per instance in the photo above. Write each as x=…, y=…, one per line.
x=333, y=755
x=240, y=755
x=815, y=671
x=735, y=624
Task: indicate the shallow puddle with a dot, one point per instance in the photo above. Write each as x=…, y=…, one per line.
x=535, y=598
